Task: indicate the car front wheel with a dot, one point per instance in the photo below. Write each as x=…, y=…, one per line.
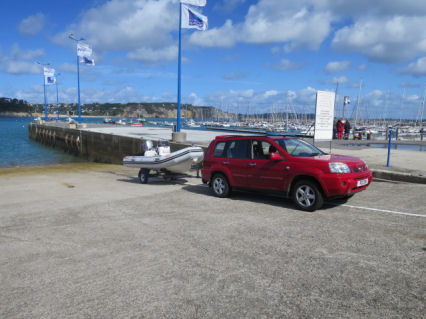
x=220, y=185
x=307, y=196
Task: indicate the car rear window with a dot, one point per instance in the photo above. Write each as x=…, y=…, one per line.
x=238, y=149
x=219, y=149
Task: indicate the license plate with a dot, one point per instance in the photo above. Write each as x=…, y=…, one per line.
x=362, y=182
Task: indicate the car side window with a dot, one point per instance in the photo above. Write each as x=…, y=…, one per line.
x=219, y=149
x=238, y=149
x=261, y=150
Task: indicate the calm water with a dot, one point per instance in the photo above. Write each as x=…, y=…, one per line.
x=16, y=149
x=404, y=147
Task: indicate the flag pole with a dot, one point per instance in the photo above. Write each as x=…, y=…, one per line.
x=179, y=68
x=57, y=97
x=78, y=84
x=45, y=99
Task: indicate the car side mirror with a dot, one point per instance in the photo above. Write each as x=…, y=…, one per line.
x=275, y=156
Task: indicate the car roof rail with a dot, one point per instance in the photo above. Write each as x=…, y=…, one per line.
x=287, y=134
x=228, y=136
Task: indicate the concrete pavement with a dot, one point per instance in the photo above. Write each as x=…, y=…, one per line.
x=90, y=241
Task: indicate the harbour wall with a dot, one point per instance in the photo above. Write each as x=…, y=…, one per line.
x=93, y=146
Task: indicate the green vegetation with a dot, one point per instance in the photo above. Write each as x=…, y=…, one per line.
x=132, y=109
x=14, y=105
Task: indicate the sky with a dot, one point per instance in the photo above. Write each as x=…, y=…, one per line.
x=256, y=55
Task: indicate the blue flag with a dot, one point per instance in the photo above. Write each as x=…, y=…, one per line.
x=86, y=60
x=48, y=80
x=192, y=19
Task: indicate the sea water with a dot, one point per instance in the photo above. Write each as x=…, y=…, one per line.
x=16, y=148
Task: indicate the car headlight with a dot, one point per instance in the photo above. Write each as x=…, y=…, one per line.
x=339, y=168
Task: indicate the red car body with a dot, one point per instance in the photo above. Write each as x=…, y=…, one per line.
x=280, y=171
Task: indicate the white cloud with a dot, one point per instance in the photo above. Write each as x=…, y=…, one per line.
x=337, y=66
x=271, y=93
x=272, y=21
x=392, y=40
x=362, y=67
x=193, y=99
x=377, y=7
x=383, y=30
x=227, y=6
x=151, y=56
x=264, y=101
x=32, y=25
x=287, y=65
x=123, y=94
x=21, y=62
x=223, y=37
x=417, y=68
x=381, y=104
x=141, y=27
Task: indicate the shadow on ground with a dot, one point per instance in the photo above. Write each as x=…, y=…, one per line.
x=259, y=197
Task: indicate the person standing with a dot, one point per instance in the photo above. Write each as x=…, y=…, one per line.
x=339, y=129
x=347, y=129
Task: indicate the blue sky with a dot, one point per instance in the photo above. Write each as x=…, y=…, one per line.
x=269, y=54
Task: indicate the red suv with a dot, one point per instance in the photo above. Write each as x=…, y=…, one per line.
x=282, y=163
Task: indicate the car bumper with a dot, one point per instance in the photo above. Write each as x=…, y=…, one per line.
x=338, y=185
x=205, y=175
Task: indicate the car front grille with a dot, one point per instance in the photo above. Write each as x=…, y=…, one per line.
x=359, y=168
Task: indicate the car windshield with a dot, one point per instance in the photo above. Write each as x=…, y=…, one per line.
x=299, y=148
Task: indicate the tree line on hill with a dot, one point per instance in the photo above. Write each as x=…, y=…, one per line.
x=14, y=105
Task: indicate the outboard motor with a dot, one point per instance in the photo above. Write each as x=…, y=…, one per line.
x=163, y=148
x=148, y=148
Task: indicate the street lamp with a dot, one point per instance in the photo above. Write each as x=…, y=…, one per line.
x=72, y=37
x=46, y=113
x=57, y=95
x=345, y=101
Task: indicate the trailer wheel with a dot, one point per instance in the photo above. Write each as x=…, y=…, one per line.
x=143, y=175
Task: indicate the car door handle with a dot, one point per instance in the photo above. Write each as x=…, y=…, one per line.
x=252, y=164
x=225, y=163
x=287, y=168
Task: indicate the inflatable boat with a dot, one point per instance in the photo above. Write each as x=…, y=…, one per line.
x=176, y=162
x=162, y=162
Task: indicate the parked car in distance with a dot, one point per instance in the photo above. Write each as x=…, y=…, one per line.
x=284, y=164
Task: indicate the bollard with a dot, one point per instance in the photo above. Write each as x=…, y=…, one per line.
x=389, y=146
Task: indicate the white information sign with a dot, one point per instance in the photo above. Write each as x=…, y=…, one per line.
x=324, y=116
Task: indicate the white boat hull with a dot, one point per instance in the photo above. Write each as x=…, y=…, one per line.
x=176, y=162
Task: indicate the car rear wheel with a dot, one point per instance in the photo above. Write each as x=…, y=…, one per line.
x=307, y=196
x=143, y=175
x=220, y=185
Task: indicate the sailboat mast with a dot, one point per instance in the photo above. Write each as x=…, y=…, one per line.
x=400, y=107
x=357, y=103
x=422, y=108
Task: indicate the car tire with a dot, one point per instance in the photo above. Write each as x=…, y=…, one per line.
x=220, y=185
x=143, y=175
x=307, y=196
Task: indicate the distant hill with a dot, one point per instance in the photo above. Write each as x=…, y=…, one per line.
x=8, y=106
x=15, y=107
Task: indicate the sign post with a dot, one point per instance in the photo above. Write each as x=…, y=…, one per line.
x=324, y=116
